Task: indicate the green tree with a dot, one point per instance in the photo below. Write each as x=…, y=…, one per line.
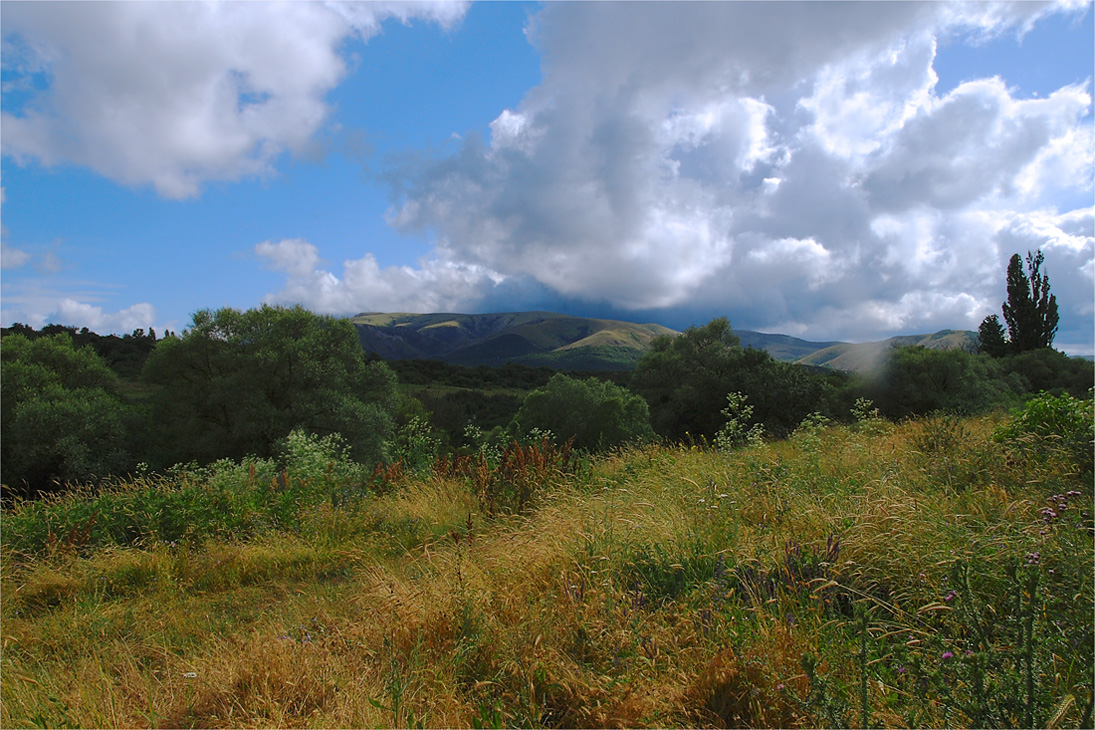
x=916, y=381
x=1050, y=370
x=685, y=380
x=61, y=420
x=990, y=337
x=682, y=378
x=597, y=414
x=237, y=383
x=1030, y=311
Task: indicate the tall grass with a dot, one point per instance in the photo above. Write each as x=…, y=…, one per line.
x=882, y=575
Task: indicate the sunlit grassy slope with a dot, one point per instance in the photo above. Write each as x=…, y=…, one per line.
x=529, y=338
x=885, y=575
x=868, y=356
x=565, y=342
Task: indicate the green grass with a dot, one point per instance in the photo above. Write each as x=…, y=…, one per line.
x=880, y=575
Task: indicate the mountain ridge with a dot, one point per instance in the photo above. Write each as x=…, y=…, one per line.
x=566, y=342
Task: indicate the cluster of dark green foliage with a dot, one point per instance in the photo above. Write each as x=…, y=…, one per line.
x=235, y=384
x=510, y=376
x=685, y=380
x=124, y=355
x=62, y=417
x=486, y=398
x=594, y=414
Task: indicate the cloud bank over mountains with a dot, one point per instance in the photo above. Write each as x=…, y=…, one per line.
x=791, y=165
x=794, y=166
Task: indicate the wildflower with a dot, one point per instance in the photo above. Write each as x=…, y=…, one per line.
x=948, y=655
x=779, y=687
x=950, y=596
x=190, y=675
x=1033, y=558
x=901, y=671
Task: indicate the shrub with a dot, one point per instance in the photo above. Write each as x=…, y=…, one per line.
x=226, y=499
x=62, y=420
x=1049, y=426
x=917, y=381
x=1052, y=371
x=594, y=414
x=737, y=431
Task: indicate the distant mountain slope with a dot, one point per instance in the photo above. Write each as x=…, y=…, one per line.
x=782, y=347
x=528, y=338
x=867, y=356
x=564, y=342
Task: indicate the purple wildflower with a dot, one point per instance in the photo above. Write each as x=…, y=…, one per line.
x=948, y=655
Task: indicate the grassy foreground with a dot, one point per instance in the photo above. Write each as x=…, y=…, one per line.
x=891, y=576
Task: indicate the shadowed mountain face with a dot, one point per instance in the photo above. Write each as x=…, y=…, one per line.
x=564, y=342
x=527, y=338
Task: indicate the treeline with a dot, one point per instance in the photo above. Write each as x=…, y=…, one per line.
x=80, y=407
x=124, y=355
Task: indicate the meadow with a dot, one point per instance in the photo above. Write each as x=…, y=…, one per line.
x=936, y=572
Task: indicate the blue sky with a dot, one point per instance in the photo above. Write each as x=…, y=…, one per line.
x=832, y=171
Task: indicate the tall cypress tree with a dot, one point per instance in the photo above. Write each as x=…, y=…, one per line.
x=1045, y=304
x=1030, y=311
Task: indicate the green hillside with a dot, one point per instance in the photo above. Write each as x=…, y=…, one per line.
x=527, y=338
x=867, y=356
x=782, y=347
x=564, y=342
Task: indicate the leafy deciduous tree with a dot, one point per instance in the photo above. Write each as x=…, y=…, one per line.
x=685, y=380
x=597, y=414
x=60, y=416
x=917, y=381
x=237, y=383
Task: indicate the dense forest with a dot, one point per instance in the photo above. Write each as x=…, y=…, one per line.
x=82, y=408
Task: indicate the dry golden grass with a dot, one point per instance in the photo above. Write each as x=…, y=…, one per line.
x=612, y=603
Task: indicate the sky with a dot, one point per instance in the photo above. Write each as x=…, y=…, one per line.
x=832, y=171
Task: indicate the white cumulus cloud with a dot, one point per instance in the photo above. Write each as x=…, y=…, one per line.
x=364, y=286
x=792, y=165
x=79, y=314
x=179, y=94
